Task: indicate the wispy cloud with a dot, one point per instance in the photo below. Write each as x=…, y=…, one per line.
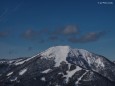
x=67, y=30
x=29, y=34
x=89, y=37
x=70, y=29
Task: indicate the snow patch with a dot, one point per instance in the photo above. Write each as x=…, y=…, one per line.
x=99, y=63
x=21, y=62
x=13, y=79
x=46, y=71
x=18, y=63
x=81, y=77
x=10, y=62
x=59, y=73
x=22, y=71
x=9, y=74
x=71, y=73
x=84, y=53
x=43, y=79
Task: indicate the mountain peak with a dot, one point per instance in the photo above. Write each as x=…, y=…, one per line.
x=66, y=54
x=59, y=52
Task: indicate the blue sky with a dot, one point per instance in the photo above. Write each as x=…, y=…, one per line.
x=28, y=27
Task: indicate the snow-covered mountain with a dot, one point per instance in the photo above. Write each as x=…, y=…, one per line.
x=58, y=66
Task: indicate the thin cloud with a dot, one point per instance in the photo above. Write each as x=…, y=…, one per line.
x=29, y=34
x=89, y=37
x=67, y=30
x=70, y=29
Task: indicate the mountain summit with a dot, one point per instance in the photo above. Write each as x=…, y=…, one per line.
x=58, y=66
